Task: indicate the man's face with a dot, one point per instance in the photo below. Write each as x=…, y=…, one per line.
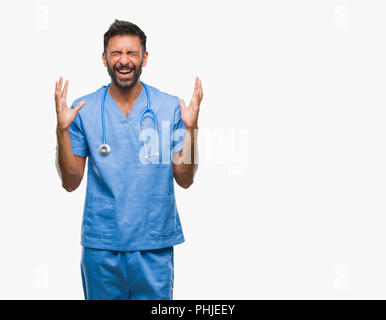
x=124, y=60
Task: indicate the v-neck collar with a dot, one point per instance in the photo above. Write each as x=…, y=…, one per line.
x=117, y=111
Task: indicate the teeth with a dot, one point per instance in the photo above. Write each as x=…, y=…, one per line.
x=124, y=71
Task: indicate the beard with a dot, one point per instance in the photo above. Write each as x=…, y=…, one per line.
x=125, y=84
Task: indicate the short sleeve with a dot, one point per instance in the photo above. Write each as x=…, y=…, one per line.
x=178, y=135
x=78, y=139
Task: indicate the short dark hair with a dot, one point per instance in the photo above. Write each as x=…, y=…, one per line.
x=120, y=27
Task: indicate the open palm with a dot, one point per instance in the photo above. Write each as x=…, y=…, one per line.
x=189, y=114
x=64, y=114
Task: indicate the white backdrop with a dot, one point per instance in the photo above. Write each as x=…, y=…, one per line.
x=289, y=199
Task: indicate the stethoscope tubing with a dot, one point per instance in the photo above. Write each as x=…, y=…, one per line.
x=103, y=114
x=104, y=149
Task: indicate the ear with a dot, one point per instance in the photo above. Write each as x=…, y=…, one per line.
x=104, y=59
x=144, y=61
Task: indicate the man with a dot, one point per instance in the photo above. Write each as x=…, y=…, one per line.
x=130, y=219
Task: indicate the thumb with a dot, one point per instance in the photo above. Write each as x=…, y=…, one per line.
x=182, y=105
x=79, y=106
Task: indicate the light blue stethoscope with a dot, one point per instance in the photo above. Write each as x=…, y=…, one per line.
x=104, y=148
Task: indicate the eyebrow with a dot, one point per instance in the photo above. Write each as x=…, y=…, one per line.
x=130, y=51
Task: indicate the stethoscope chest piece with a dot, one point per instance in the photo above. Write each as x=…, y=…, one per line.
x=104, y=149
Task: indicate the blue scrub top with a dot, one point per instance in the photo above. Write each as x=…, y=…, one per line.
x=130, y=203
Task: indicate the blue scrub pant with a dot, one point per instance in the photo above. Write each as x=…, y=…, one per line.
x=123, y=275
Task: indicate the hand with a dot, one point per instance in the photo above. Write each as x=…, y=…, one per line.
x=189, y=115
x=64, y=114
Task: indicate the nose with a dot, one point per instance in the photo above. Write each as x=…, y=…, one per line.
x=124, y=59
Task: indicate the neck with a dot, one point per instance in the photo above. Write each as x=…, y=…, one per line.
x=125, y=96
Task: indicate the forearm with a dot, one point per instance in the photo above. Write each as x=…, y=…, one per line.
x=186, y=163
x=65, y=161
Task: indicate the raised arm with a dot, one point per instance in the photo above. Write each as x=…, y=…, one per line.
x=185, y=162
x=69, y=166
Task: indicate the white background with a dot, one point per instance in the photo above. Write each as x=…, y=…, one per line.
x=298, y=213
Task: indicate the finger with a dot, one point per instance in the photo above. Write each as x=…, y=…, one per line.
x=198, y=96
x=64, y=92
x=60, y=84
x=195, y=88
x=79, y=106
x=201, y=91
x=198, y=87
x=57, y=94
x=56, y=89
x=194, y=102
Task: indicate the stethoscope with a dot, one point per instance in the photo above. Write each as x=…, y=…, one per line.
x=104, y=148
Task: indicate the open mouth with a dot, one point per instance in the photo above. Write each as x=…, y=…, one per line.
x=124, y=71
